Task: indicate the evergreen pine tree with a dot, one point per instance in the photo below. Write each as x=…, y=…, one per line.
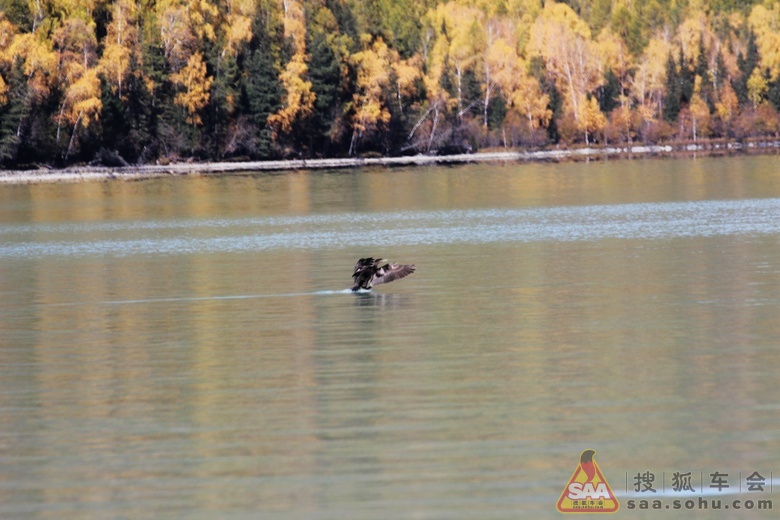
x=18, y=13
x=746, y=64
x=773, y=94
x=13, y=114
x=152, y=71
x=720, y=73
x=261, y=87
x=547, y=86
x=325, y=75
x=112, y=122
x=139, y=117
x=687, y=78
x=703, y=71
x=224, y=68
x=497, y=111
x=608, y=94
x=673, y=90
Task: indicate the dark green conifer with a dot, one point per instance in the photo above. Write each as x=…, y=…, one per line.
x=262, y=90
x=325, y=76
x=671, y=103
x=13, y=114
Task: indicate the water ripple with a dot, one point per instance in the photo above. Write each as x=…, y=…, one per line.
x=571, y=223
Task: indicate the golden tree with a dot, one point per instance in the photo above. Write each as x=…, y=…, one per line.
x=298, y=99
x=563, y=40
x=648, y=81
x=176, y=34
x=196, y=83
x=373, y=65
x=39, y=62
x=459, y=36
x=766, y=24
x=119, y=44
x=77, y=48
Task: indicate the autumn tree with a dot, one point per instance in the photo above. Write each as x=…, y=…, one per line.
x=563, y=41
x=369, y=106
x=764, y=21
x=194, y=83
x=269, y=78
x=526, y=98
x=459, y=37
x=500, y=63
x=119, y=44
x=298, y=99
x=81, y=104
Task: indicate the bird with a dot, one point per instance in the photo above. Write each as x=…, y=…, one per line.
x=370, y=272
x=586, y=463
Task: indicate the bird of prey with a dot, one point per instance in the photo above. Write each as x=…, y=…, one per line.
x=370, y=272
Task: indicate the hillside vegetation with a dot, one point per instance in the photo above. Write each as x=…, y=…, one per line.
x=140, y=81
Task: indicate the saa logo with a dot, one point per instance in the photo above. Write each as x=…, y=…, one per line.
x=587, y=490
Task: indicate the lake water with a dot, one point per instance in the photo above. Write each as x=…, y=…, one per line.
x=185, y=347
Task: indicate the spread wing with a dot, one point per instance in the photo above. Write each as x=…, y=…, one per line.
x=389, y=272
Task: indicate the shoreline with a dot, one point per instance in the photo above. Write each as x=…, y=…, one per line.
x=74, y=174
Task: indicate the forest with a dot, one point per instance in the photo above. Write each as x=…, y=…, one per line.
x=147, y=81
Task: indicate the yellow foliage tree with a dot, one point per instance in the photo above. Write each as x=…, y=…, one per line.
x=591, y=119
x=176, y=34
x=766, y=24
x=407, y=72
x=237, y=24
x=3, y=92
x=699, y=113
x=77, y=54
x=82, y=104
x=693, y=29
x=119, y=43
x=620, y=122
x=8, y=32
x=501, y=68
x=298, y=99
x=527, y=98
x=509, y=73
x=40, y=62
x=203, y=19
x=196, y=83
x=563, y=40
x=648, y=80
x=757, y=87
x=459, y=38
x=373, y=65
x=614, y=56
x=728, y=104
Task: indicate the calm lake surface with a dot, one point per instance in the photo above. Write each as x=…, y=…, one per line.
x=184, y=347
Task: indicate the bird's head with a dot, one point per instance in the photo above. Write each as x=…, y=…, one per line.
x=587, y=456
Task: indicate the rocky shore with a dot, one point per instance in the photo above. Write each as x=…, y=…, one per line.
x=99, y=173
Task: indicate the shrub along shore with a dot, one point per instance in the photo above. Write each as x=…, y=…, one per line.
x=129, y=173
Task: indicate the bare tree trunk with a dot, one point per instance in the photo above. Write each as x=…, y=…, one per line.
x=487, y=100
x=73, y=136
x=435, y=124
x=353, y=142
x=59, y=121
x=460, y=90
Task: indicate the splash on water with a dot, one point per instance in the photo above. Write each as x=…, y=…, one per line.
x=208, y=298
